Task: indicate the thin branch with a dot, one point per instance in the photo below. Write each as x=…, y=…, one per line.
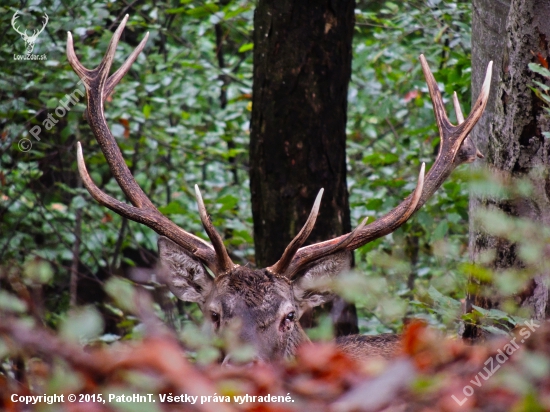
x=76, y=254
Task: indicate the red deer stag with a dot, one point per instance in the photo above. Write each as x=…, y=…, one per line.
x=267, y=303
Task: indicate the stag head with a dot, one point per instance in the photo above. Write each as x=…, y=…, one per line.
x=264, y=304
x=29, y=39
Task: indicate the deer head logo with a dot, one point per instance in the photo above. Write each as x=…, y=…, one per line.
x=29, y=39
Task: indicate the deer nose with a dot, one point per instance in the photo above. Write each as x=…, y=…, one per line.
x=231, y=362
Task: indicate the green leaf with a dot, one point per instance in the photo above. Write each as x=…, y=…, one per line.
x=122, y=292
x=11, y=303
x=323, y=330
x=246, y=47
x=378, y=159
x=374, y=204
x=440, y=231
x=78, y=202
x=477, y=271
x=229, y=14
x=176, y=10
x=203, y=11
x=537, y=68
x=82, y=325
x=147, y=111
x=484, y=312
x=228, y=202
x=454, y=217
x=172, y=208
x=442, y=300
x=545, y=97
x=542, y=86
x=37, y=271
x=493, y=330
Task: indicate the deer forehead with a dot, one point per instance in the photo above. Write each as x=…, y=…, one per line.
x=253, y=290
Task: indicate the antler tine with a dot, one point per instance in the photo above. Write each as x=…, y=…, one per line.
x=342, y=242
x=100, y=74
x=79, y=69
x=454, y=135
x=479, y=106
x=95, y=82
x=113, y=80
x=460, y=120
x=458, y=110
x=225, y=264
x=151, y=218
x=15, y=17
x=102, y=71
x=98, y=87
x=454, y=149
x=296, y=267
x=282, y=264
x=104, y=67
x=46, y=18
x=443, y=123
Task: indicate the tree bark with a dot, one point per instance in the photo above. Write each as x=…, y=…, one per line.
x=302, y=67
x=510, y=135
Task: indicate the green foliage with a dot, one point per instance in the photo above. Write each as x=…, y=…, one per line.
x=542, y=90
x=391, y=132
x=181, y=117
x=82, y=325
x=167, y=116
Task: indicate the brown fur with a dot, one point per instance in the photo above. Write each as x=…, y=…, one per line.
x=258, y=303
x=386, y=345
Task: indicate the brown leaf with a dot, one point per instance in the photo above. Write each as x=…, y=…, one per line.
x=542, y=60
x=107, y=218
x=413, y=94
x=126, y=124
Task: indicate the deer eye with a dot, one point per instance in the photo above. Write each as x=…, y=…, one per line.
x=287, y=322
x=215, y=317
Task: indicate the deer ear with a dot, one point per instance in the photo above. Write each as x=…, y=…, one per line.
x=185, y=275
x=312, y=289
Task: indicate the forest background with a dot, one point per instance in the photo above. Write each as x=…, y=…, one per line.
x=181, y=117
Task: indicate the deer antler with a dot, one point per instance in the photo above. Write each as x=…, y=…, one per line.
x=282, y=264
x=37, y=32
x=99, y=85
x=15, y=17
x=224, y=261
x=336, y=245
x=454, y=149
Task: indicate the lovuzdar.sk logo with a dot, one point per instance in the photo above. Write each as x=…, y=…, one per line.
x=29, y=39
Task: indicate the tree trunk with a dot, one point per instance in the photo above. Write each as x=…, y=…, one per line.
x=510, y=135
x=302, y=67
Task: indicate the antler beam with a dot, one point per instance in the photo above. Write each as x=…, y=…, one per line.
x=99, y=85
